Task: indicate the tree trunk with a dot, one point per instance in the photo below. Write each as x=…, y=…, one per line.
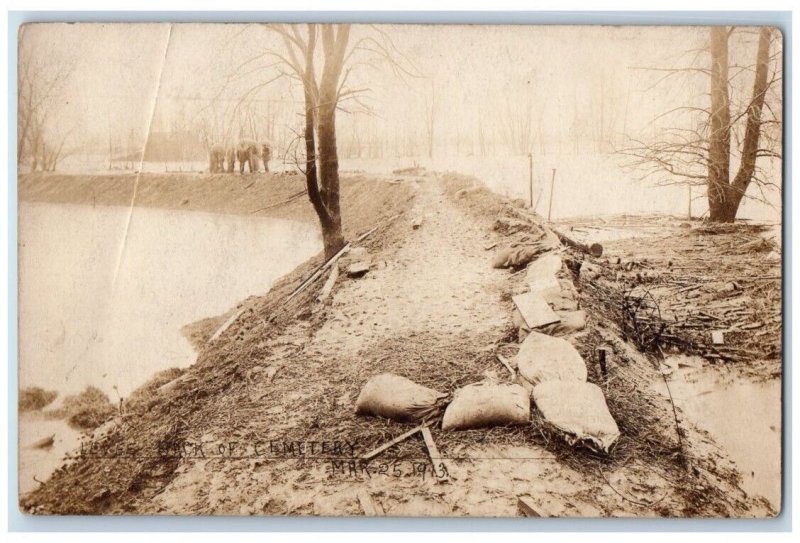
x=328, y=156
x=753, y=130
x=312, y=185
x=320, y=121
x=720, y=136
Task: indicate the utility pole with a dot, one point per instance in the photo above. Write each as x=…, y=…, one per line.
x=690, y=202
x=552, y=186
x=530, y=176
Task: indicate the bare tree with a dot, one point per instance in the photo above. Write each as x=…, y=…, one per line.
x=40, y=138
x=321, y=95
x=324, y=91
x=517, y=123
x=707, y=141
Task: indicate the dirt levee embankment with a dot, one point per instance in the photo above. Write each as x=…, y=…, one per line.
x=261, y=194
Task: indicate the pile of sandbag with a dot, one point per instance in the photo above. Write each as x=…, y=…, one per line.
x=473, y=406
x=550, y=370
x=560, y=314
x=550, y=367
x=556, y=372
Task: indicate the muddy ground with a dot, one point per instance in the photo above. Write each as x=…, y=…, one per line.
x=264, y=422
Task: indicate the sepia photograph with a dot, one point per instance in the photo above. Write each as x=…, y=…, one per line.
x=400, y=270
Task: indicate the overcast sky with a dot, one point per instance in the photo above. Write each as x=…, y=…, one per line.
x=121, y=68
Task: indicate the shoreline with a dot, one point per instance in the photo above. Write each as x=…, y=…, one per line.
x=280, y=196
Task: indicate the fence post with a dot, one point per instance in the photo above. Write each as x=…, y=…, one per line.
x=552, y=185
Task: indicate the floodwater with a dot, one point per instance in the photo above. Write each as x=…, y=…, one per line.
x=583, y=183
x=103, y=294
x=743, y=417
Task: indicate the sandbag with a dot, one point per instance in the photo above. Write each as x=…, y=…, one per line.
x=487, y=404
x=544, y=285
x=544, y=358
x=516, y=257
x=579, y=411
x=571, y=321
x=547, y=264
x=397, y=398
x=561, y=299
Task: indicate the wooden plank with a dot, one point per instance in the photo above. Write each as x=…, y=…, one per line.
x=436, y=458
x=535, y=310
x=368, y=505
x=544, y=506
x=375, y=452
x=527, y=507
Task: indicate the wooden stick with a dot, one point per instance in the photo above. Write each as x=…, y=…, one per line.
x=363, y=236
x=368, y=505
x=372, y=454
x=326, y=289
x=504, y=361
x=227, y=323
x=527, y=507
x=289, y=199
x=319, y=272
x=390, y=220
x=595, y=249
x=332, y=261
x=433, y=452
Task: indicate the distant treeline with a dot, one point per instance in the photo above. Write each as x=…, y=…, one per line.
x=165, y=147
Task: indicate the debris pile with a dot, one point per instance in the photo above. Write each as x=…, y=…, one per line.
x=707, y=290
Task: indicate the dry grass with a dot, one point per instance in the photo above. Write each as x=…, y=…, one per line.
x=35, y=398
x=85, y=411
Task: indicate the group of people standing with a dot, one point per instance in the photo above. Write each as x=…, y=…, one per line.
x=222, y=158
